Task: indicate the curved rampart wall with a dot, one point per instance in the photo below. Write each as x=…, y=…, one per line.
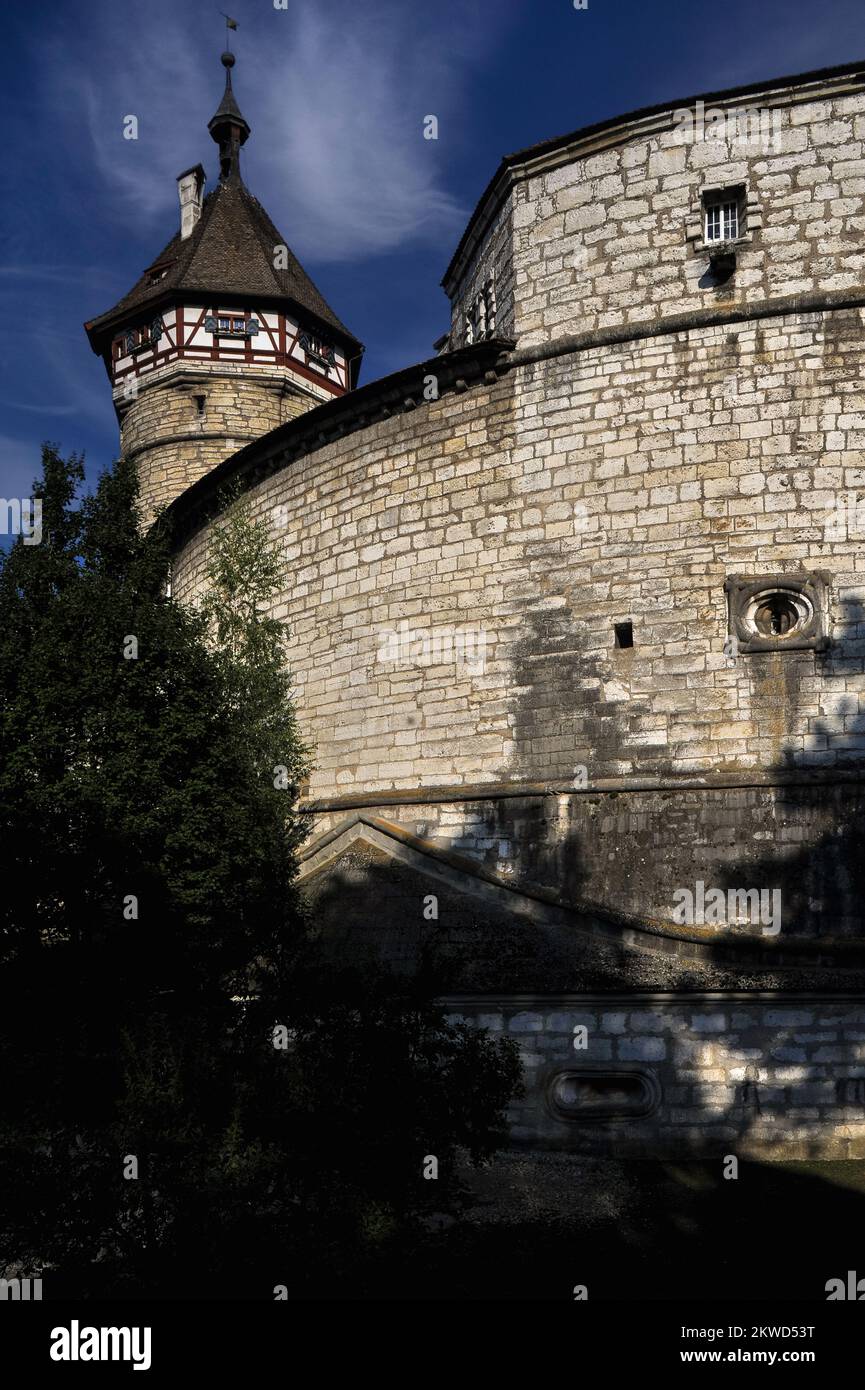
x=454, y=575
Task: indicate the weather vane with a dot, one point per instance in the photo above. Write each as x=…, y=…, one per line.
x=229, y=25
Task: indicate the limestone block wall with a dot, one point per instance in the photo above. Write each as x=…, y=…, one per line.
x=623, y=216
x=454, y=577
x=745, y=1075
x=174, y=440
x=607, y=228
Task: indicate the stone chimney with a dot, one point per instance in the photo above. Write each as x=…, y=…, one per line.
x=190, y=190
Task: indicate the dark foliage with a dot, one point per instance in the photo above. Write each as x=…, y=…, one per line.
x=163, y=996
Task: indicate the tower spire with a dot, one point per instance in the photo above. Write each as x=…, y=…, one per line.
x=228, y=127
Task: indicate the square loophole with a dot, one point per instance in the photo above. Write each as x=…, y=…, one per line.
x=624, y=635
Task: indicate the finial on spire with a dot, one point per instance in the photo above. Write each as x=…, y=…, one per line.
x=228, y=127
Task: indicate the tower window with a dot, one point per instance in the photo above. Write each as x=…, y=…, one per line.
x=320, y=353
x=723, y=215
x=481, y=315
x=135, y=340
x=231, y=326
x=624, y=635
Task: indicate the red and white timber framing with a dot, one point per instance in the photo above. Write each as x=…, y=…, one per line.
x=183, y=335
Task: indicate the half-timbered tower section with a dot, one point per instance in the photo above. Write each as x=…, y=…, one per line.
x=224, y=336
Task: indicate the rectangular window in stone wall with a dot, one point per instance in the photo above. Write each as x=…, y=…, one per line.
x=481, y=314
x=723, y=215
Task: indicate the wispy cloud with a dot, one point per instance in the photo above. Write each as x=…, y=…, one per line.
x=336, y=105
x=104, y=63
x=343, y=140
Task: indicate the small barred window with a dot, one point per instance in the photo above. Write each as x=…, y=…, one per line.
x=723, y=216
x=481, y=315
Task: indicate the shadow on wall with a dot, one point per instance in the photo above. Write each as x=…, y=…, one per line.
x=804, y=841
x=630, y=852
x=797, y=1076
x=788, y=1080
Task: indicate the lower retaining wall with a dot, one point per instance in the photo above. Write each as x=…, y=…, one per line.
x=675, y=1075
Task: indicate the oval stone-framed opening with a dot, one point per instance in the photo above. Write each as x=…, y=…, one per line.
x=778, y=613
x=578, y=1094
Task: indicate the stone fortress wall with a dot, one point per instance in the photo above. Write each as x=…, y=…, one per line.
x=602, y=230
x=533, y=514
x=461, y=574
x=750, y=1075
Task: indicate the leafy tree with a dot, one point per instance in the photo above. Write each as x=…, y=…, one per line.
x=155, y=1136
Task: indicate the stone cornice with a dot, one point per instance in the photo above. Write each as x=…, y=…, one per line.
x=827, y=301
x=192, y=371
x=162, y=440
x=604, y=786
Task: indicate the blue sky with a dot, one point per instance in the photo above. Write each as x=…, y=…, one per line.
x=336, y=93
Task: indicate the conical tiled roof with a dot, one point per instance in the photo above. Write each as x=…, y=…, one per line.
x=230, y=252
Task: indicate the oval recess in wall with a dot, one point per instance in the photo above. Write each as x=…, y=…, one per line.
x=779, y=612
x=582, y=1093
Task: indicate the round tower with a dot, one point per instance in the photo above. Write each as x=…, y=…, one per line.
x=223, y=337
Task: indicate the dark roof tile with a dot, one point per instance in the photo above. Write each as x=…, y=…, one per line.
x=229, y=252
